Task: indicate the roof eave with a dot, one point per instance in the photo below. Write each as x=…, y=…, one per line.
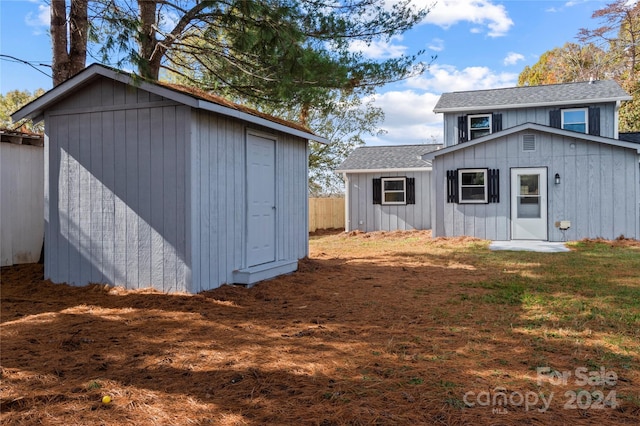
x=538, y=127
x=386, y=170
x=530, y=105
x=35, y=109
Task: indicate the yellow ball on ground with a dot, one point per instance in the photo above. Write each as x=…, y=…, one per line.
x=106, y=399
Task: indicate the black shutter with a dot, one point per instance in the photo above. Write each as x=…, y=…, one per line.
x=452, y=186
x=496, y=123
x=411, y=190
x=462, y=129
x=494, y=185
x=377, y=191
x=594, y=121
x=555, y=119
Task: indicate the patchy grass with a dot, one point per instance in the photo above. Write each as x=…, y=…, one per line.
x=377, y=328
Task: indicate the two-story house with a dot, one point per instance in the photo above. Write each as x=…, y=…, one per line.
x=535, y=163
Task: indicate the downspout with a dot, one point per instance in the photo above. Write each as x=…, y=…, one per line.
x=347, y=221
x=616, y=119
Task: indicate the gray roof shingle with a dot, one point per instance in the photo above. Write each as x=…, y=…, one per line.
x=388, y=157
x=630, y=137
x=528, y=96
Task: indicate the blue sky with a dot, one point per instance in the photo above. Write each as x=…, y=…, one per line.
x=479, y=44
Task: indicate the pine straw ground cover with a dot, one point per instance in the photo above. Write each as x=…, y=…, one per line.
x=379, y=328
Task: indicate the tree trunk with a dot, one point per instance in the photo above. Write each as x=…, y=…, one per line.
x=68, y=59
x=60, y=65
x=78, y=30
x=149, y=65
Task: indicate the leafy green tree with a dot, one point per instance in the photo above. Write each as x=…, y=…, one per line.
x=344, y=122
x=11, y=102
x=611, y=50
x=284, y=51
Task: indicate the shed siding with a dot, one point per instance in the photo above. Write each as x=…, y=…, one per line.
x=594, y=178
x=378, y=217
x=218, y=197
x=106, y=93
x=539, y=115
x=115, y=192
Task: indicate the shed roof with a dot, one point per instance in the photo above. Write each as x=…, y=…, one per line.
x=532, y=96
x=186, y=95
x=387, y=158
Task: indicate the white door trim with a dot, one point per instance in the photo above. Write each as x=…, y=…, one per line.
x=529, y=203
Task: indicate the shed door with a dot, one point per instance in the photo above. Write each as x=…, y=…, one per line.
x=261, y=200
x=529, y=204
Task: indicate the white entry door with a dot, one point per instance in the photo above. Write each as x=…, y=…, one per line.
x=261, y=199
x=529, y=204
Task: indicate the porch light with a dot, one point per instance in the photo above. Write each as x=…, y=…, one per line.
x=557, y=179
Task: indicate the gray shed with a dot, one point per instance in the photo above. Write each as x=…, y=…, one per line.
x=388, y=188
x=153, y=185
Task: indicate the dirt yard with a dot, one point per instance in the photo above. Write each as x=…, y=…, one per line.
x=380, y=328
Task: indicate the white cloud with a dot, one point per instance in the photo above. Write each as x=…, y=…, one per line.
x=437, y=45
x=513, y=58
x=482, y=13
x=39, y=20
x=447, y=78
x=380, y=49
x=409, y=116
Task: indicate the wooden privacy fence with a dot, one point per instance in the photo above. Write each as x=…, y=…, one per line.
x=326, y=213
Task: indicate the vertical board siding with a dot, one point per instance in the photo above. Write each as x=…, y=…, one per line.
x=593, y=177
x=21, y=203
x=218, y=198
x=380, y=217
x=540, y=115
x=116, y=188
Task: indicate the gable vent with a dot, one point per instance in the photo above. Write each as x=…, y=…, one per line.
x=528, y=143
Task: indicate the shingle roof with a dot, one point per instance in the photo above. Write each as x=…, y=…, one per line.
x=630, y=137
x=528, y=96
x=388, y=157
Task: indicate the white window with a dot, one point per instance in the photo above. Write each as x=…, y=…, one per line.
x=394, y=190
x=479, y=125
x=575, y=119
x=472, y=186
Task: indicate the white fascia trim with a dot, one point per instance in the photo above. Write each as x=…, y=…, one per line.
x=532, y=126
x=487, y=108
x=412, y=169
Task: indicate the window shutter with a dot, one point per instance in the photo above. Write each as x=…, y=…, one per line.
x=462, y=129
x=411, y=190
x=452, y=186
x=377, y=191
x=494, y=185
x=594, y=121
x=555, y=118
x=496, y=123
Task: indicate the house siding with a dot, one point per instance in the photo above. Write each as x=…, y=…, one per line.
x=379, y=217
x=115, y=188
x=594, y=178
x=218, y=196
x=539, y=115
